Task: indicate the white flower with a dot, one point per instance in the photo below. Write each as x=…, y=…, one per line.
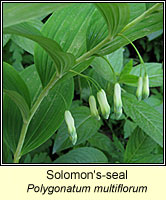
x=71, y=127
x=102, y=99
x=145, y=92
x=117, y=100
x=93, y=108
x=139, y=89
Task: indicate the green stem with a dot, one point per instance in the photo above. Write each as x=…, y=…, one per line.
x=139, y=55
x=141, y=17
x=24, y=129
x=88, y=78
x=93, y=50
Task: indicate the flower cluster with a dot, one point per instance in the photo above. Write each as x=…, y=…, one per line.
x=142, y=92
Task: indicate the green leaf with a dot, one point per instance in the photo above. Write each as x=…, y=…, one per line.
x=27, y=44
x=129, y=127
x=32, y=80
x=129, y=79
x=83, y=155
x=14, y=13
x=154, y=35
x=116, y=16
x=49, y=115
x=118, y=143
x=96, y=30
x=145, y=116
x=13, y=81
x=68, y=29
x=136, y=9
x=102, y=142
x=152, y=158
x=62, y=61
x=116, y=60
x=7, y=155
x=103, y=69
x=149, y=22
x=6, y=38
x=154, y=71
x=12, y=123
x=38, y=158
x=86, y=126
x=20, y=102
x=138, y=146
x=127, y=68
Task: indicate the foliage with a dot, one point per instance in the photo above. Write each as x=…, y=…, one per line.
x=56, y=59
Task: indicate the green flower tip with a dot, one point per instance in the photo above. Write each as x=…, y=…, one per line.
x=71, y=127
x=102, y=99
x=93, y=108
x=139, y=89
x=117, y=100
x=145, y=91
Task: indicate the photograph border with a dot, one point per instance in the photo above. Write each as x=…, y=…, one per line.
x=83, y=164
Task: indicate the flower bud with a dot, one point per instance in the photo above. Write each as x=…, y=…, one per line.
x=102, y=99
x=93, y=108
x=71, y=127
x=139, y=89
x=117, y=100
x=145, y=91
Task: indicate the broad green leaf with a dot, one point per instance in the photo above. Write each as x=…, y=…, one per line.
x=145, y=116
x=86, y=126
x=17, y=56
x=38, y=158
x=68, y=29
x=102, y=142
x=136, y=9
x=13, y=81
x=138, y=146
x=14, y=13
x=129, y=127
x=83, y=155
x=96, y=31
x=103, y=69
x=149, y=5
x=12, y=123
x=62, y=61
x=129, y=79
x=154, y=35
x=127, y=68
x=6, y=38
x=27, y=44
x=116, y=60
x=154, y=71
x=49, y=115
x=7, y=154
x=149, y=23
x=118, y=143
x=20, y=102
x=116, y=16
x=32, y=80
x=152, y=158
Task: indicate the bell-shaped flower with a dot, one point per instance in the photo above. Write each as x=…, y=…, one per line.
x=145, y=91
x=139, y=89
x=117, y=100
x=93, y=108
x=71, y=127
x=102, y=99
